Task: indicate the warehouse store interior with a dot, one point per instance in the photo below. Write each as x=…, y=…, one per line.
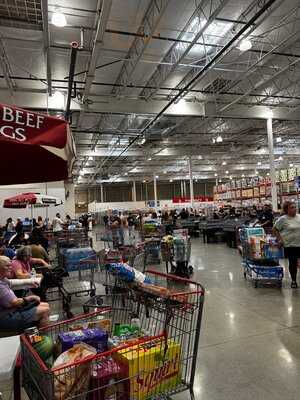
x=149, y=199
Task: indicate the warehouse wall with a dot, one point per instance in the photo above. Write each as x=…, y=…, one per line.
x=122, y=192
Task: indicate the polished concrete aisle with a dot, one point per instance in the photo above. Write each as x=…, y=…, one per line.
x=250, y=339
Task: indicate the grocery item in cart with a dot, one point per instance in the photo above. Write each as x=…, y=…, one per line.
x=72, y=257
x=149, y=367
x=44, y=347
x=73, y=379
x=105, y=383
x=128, y=273
x=95, y=337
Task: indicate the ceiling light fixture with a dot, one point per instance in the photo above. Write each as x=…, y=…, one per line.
x=216, y=175
x=219, y=139
x=227, y=172
x=245, y=45
x=156, y=176
x=278, y=140
x=144, y=181
x=280, y=159
x=149, y=159
x=171, y=180
x=59, y=19
x=243, y=176
x=224, y=163
x=291, y=165
x=214, y=140
x=230, y=177
x=126, y=173
x=165, y=172
x=57, y=100
x=91, y=159
x=258, y=163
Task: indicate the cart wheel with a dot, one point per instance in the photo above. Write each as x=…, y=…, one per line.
x=255, y=284
x=92, y=292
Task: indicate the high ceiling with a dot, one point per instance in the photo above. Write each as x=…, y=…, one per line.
x=158, y=81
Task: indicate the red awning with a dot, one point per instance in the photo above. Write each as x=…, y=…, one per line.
x=34, y=147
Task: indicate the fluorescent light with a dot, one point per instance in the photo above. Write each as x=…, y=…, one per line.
x=256, y=172
x=291, y=165
x=278, y=140
x=165, y=172
x=224, y=163
x=243, y=176
x=91, y=159
x=126, y=173
x=245, y=45
x=258, y=163
x=171, y=180
x=268, y=174
x=242, y=168
x=219, y=139
x=227, y=172
x=144, y=181
x=156, y=176
x=59, y=19
x=280, y=159
x=230, y=177
x=57, y=100
x=200, y=157
x=149, y=159
x=216, y=174
x=214, y=140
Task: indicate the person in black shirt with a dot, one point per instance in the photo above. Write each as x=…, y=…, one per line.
x=266, y=218
x=19, y=226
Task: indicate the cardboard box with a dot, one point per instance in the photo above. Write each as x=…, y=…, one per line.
x=150, y=368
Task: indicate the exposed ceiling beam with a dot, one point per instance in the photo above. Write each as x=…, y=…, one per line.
x=139, y=45
x=202, y=17
x=101, y=22
x=46, y=38
x=5, y=66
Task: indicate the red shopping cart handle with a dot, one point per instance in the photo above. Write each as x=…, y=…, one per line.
x=175, y=278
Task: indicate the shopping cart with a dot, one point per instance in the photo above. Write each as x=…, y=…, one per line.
x=158, y=362
x=112, y=237
x=260, y=258
x=79, y=281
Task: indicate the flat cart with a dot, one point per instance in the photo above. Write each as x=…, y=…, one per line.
x=260, y=261
x=165, y=346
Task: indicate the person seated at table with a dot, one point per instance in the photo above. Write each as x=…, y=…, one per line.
x=17, y=314
x=37, y=250
x=6, y=251
x=19, y=239
x=22, y=265
x=38, y=236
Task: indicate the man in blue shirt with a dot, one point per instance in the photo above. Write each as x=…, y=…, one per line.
x=6, y=251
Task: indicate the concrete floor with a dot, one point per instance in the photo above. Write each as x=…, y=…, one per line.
x=250, y=339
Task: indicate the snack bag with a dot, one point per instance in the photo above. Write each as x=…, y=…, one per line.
x=73, y=380
x=93, y=337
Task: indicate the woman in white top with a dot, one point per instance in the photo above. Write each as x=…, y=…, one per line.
x=57, y=224
x=287, y=230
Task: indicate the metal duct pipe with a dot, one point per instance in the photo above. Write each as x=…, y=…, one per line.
x=74, y=49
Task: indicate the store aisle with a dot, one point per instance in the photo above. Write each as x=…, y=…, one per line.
x=250, y=339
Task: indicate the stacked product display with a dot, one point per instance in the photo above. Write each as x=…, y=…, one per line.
x=257, y=189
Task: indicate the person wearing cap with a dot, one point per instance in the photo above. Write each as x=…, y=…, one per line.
x=17, y=314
